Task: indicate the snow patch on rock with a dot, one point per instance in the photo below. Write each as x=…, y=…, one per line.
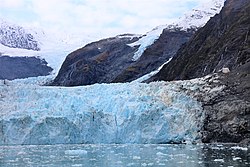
x=146, y=41
x=149, y=75
x=197, y=18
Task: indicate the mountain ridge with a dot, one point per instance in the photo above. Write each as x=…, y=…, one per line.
x=149, y=53
x=30, y=52
x=221, y=46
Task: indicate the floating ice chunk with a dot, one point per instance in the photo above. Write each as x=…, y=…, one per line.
x=131, y=164
x=239, y=148
x=77, y=165
x=150, y=164
x=217, y=148
x=162, y=164
x=76, y=152
x=160, y=154
x=219, y=160
x=136, y=157
x=160, y=148
x=236, y=158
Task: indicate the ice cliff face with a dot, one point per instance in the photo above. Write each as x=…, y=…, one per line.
x=14, y=36
x=115, y=113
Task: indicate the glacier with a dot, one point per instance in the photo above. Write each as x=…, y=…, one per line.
x=149, y=75
x=14, y=36
x=17, y=41
x=159, y=112
x=146, y=41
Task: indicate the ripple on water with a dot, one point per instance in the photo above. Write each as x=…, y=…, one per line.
x=124, y=155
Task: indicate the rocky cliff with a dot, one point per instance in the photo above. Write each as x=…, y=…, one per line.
x=22, y=67
x=133, y=58
x=223, y=46
x=222, y=43
x=164, y=48
x=111, y=60
x=97, y=62
x=19, y=53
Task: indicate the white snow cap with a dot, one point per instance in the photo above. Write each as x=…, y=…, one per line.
x=198, y=17
x=53, y=48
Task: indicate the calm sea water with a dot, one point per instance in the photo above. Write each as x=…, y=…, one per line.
x=125, y=155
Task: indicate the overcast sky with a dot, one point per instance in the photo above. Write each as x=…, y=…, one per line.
x=101, y=17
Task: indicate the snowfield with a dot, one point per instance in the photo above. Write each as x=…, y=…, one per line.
x=52, y=47
x=54, y=52
x=159, y=112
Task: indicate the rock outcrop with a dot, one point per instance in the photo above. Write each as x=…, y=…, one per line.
x=111, y=60
x=97, y=62
x=156, y=54
x=124, y=63
x=22, y=67
x=223, y=42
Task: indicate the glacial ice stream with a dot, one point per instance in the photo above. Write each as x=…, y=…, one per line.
x=154, y=113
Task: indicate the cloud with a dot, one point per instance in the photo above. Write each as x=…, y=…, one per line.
x=104, y=17
x=11, y=3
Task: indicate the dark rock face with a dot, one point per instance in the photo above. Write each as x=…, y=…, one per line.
x=98, y=62
x=110, y=60
x=155, y=55
x=22, y=67
x=228, y=114
x=16, y=37
x=223, y=42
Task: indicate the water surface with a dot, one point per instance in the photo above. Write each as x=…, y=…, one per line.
x=125, y=155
